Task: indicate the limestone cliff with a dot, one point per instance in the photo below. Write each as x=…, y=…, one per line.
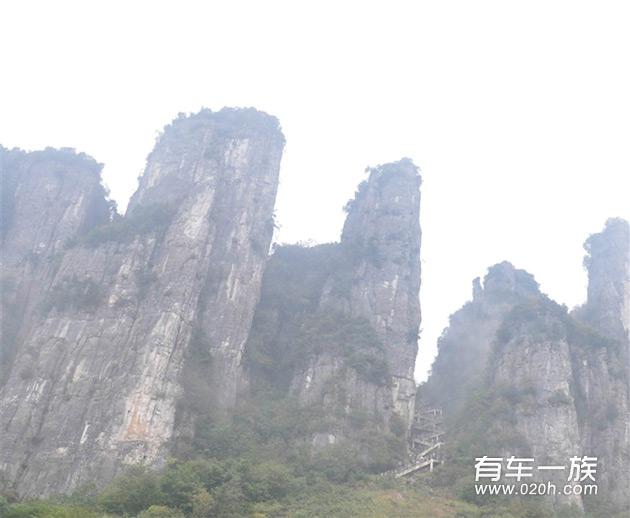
x=113, y=320
x=544, y=383
x=48, y=197
x=531, y=371
x=602, y=374
x=465, y=345
x=337, y=325
x=568, y=388
x=608, y=303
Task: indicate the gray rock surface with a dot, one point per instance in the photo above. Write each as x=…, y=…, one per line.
x=119, y=310
x=608, y=303
x=464, y=346
x=531, y=369
x=338, y=323
x=602, y=374
x=556, y=384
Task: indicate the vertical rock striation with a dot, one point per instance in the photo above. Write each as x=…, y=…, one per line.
x=337, y=325
x=47, y=198
x=531, y=373
x=382, y=232
x=99, y=377
x=601, y=375
x=546, y=384
x=383, y=223
x=608, y=304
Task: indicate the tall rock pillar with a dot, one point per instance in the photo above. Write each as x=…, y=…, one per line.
x=139, y=321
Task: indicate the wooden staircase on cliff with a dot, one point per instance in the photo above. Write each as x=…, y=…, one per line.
x=426, y=438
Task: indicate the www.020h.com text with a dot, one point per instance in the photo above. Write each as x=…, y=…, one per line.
x=533, y=488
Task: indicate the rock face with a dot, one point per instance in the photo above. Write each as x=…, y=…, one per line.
x=337, y=325
x=382, y=231
x=608, y=303
x=48, y=197
x=547, y=384
x=124, y=321
x=119, y=334
x=602, y=375
x=465, y=345
x=532, y=371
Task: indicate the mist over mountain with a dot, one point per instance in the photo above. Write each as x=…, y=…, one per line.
x=169, y=360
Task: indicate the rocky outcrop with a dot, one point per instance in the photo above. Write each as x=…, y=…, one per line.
x=48, y=197
x=531, y=370
x=130, y=318
x=601, y=374
x=465, y=345
x=568, y=387
x=545, y=384
x=608, y=304
x=382, y=233
x=337, y=325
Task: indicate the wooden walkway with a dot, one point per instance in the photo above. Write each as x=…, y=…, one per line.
x=426, y=438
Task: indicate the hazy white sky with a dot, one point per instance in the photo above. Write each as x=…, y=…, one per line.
x=517, y=112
